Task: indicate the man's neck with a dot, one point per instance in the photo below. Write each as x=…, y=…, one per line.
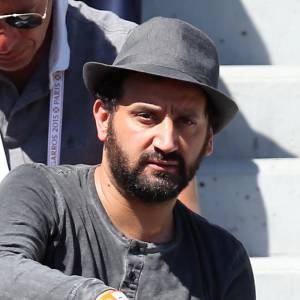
x=20, y=77
x=135, y=219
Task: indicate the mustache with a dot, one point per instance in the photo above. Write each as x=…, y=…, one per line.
x=156, y=155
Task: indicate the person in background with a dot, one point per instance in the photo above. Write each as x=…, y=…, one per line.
x=43, y=46
x=116, y=230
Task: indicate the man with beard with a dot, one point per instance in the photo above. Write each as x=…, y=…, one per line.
x=116, y=230
x=41, y=56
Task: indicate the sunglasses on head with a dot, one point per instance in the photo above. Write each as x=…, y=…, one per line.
x=25, y=21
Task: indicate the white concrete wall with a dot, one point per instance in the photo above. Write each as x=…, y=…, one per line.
x=245, y=31
x=268, y=123
x=256, y=200
x=277, y=278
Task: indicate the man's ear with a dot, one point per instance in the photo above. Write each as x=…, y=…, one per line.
x=210, y=142
x=101, y=116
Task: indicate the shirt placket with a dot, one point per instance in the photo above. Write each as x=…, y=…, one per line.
x=134, y=266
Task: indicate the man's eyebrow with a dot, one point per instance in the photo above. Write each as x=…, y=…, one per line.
x=187, y=112
x=146, y=105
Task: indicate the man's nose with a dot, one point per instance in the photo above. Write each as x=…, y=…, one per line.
x=8, y=37
x=166, y=137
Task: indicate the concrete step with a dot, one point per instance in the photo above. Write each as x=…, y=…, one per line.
x=268, y=123
x=246, y=31
x=256, y=200
x=277, y=277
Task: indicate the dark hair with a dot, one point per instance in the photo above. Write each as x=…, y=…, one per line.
x=111, y=91
x=210, y=112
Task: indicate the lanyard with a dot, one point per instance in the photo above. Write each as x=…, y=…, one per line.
x=55, y=119
x=55, y=125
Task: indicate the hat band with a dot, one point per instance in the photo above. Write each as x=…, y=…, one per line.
x=200, y=73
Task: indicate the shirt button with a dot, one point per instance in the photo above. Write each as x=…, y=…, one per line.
x=143, y=249
x=135, y=249
x=131, y=276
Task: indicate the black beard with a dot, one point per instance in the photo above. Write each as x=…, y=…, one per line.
x=155, y=188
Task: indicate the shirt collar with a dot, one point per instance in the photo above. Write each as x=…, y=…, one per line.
x=59, y=57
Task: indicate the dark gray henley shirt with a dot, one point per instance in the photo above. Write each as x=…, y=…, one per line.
x=57, y=242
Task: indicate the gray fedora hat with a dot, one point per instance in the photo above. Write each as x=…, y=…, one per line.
x=174, y=49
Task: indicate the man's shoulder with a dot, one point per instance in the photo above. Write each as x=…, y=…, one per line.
x=39, y=174
x=222, y=258
x=105, y=20
x=211, y=235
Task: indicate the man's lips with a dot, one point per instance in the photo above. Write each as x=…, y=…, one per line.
x=164, y=165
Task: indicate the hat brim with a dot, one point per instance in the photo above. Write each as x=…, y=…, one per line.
x=224, y=107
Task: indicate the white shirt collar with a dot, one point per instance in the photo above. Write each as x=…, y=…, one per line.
x=3, y=163
x=60, y=51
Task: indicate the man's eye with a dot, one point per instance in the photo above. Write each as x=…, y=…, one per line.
x=145, y=115
x=147, y=118
x=187, y=121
